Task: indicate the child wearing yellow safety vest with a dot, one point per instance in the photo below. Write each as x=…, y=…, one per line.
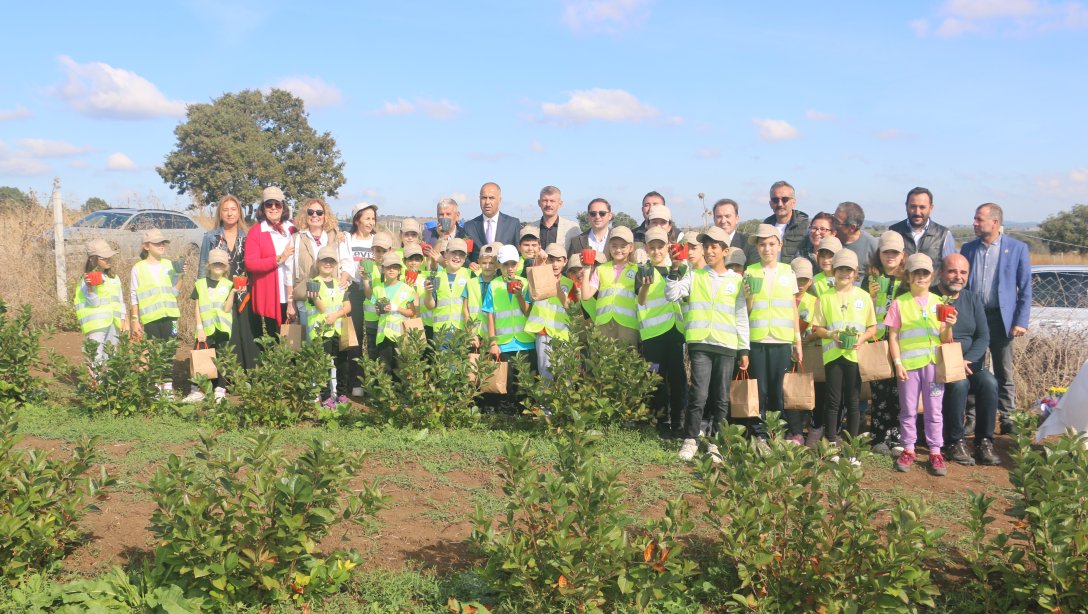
x=806, y=310
x=395, y=301
x=824, y=281
x=716, y=332
x=528, y=247
x=382, y=245
x=447, y=290
x=99, y=300
x=661, y=329
x=330, y=306
x=613, y=286
x=506, y=305
x=548, y=319
x=484, y=271
x=913, y=336
x=770, y=287
x=887, y=280
x=154, y=289
x=844, y=320
x=214, y=297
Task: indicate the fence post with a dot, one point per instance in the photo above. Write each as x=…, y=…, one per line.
x=58, y=241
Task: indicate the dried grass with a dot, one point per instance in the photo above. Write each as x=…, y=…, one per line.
x=1044, y=359
x=1059, y=258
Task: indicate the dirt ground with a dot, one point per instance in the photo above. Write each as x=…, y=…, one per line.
x=427, y=521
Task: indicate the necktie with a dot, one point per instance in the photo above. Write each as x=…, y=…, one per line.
x=490, y=232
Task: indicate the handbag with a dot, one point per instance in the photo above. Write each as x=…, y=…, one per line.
x=798, y=389
x=743, y=396
x=202, y=361
x=950, y=363
x=874, y=362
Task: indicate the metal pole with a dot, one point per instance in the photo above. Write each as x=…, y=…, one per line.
x=58, y=241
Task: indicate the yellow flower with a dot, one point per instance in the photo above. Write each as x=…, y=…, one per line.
x=344, y=565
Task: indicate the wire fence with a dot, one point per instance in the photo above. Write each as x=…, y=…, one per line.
x=1067, y=289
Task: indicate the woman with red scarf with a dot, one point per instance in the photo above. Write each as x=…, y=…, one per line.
x=268, y=260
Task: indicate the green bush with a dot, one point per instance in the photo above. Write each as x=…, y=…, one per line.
x=594, y=376
x=20, y=345
x=437, y=387
x=1042, y=565
x=125, y=383
x=566, y=541
x=797, y=533
x=117, y=591
x=41, y=500
x=243, y=527
x=281, y=390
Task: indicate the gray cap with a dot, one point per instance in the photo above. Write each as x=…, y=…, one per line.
x=736, y=256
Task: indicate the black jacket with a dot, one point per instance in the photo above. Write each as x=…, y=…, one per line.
x=794, y=235
x=932, y=242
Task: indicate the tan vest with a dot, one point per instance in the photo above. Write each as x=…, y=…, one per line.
x=306, y=260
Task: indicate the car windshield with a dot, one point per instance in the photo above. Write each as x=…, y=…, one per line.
x=1060, y=289
x=103, y=219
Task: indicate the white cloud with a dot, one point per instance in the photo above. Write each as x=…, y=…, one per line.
x=708, y=153
x=97, y=89
x=892, y=133
x=820, y=116
x=19, y=112
x=44, y=148
x=1011, y=17
x=609, y=16
x=601, y=104
x=775, y=130
x=435, y=109
x=312, y=90
x=79, y=164
x=537, y=147
x=1079, y=175
x=120, y=162
x=460, y=197
x=22, y=166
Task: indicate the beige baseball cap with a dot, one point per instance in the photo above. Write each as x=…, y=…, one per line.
x=919, y=262
x=411, y=224
x=155, y=235
x=830, y=244
x=98, y=247
x=659, y=212
x=528, y=230
x=491, y=249
x=621, y=232
x=412, y=249
x=891, y=240
x=383, y=239
x=272, y=193
x=846, y=258
x=736, y=256
x=802, y=267
x=456, y=244
x=362, y=207
x=657, y=234
x=556, y=250
x=218, y=256
x=328, y=251
x=714, y=234
x=391, y=259
x=764, y=231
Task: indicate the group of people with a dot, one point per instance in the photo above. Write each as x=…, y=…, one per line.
x=727, y=302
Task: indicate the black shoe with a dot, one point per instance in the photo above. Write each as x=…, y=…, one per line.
x=664, y=430
x=969, y=428
x=984, y=450
x=960, y=454
x=1007, y=427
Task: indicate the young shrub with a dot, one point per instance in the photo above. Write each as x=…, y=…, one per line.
x=117, y=591
x=566, y=542
x=799, y=533
x=243, y=527
x=594, y=376
x=437, y=385
x=41, y=500
x=124, y=384
x=281, y=390
x=20, y=344
x=1042, y=565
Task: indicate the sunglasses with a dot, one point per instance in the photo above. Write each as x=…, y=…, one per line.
x=272, y=204
x=315, y=212
x=783, y=199
x=598, y=213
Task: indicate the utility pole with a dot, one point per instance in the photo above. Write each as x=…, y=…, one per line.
x=58, y=241
x=706, y=214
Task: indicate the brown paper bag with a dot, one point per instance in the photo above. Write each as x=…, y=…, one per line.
x=798, y=390
x=874, y=362
x=743, y=396
x=292, y=334
x=866, y=392
x=348, y=339
x=812, y=357
x=497, y=382
x=202, y=362
x=950, y=364
x=413, y=324
x=542, y=282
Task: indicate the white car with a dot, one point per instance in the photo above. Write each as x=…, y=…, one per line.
x=124, y=229
x=1059, y=297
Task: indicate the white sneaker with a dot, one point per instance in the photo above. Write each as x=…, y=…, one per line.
x=195, y=396
x=357, y=391
x=220, y=394
x=688, y=449
x=715, y=455
x=854, y=462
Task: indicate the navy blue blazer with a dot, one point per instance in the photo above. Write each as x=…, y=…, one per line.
x=507, y=228
x=1013, y=280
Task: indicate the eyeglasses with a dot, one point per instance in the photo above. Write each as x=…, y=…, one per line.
x=315, y=212
x=272, y=204
x=819, y=229
x=784, y=199
x=598, y=213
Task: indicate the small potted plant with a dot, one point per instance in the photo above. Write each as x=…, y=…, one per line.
x=848, y=337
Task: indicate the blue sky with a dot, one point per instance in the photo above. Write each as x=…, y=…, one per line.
x=979, y=100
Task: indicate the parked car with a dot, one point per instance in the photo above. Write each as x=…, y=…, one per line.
x=124, y=229
x=1059, y=298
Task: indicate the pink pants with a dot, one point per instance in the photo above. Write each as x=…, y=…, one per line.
x=921, y=381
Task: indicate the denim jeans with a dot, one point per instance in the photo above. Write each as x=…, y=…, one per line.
x=707, y=368
x=983, y=385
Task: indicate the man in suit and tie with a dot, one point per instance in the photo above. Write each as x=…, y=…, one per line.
x=554, y=229
x=491, y=225
x=599, y=213
x=1001, y=276
x=726, y=216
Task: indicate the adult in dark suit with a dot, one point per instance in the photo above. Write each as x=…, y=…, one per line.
x=920, y=233
x=491, y=225
x=1001, y=276
x=727, y=216
x=599, y=212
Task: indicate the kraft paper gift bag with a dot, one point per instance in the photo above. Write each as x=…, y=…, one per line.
x=798, y=389
x=348, y=339
x=743, y=396
x=202, y=362
x=542, y=282
x=874, y=362
x=812, y=356
x=950, y=364
x=496, y=383
x=292, y=334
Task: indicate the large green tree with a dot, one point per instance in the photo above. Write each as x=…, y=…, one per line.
x=13, y=198
x=1067, y=231
x=95, y=203
x=240, y=143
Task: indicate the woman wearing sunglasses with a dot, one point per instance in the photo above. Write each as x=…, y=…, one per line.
x=318, y=229
x=269, y=251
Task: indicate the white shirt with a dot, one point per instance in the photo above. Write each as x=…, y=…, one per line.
x=357, y=250
x=280, y=242
x=781, y=228
x=595, y=244
x=494, y=222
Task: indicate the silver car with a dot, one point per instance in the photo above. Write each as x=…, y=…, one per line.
x=1059, y=297
x=124, y=229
